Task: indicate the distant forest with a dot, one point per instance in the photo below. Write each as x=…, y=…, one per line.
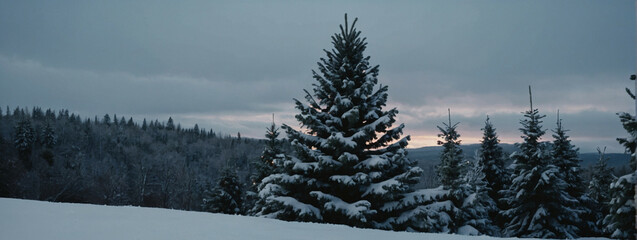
x=67, y=158
x=62, y=157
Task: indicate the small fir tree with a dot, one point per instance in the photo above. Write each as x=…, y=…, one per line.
x=450, y=169
x=566, y=158
x=107, y=120
x=599, y=192
x=23, y=140
x=171, y=124
x=48, y=136
x=264, y=166
x=227, y=196
x=491, y=160
x=476, y=203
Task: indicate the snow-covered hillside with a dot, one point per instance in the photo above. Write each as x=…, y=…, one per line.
x=26, y=219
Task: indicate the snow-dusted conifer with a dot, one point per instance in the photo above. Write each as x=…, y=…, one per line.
x=171, y=124
x=48, y=137
x=107, y=119
x=536, y=195
x=227, y=196
x=264, y=166
x=620, y=222
x=491, y=157
x=566, y=158
x=24, y=136
x=350, y=165
x=450, y=169
x=476, y=203
x=599, y=192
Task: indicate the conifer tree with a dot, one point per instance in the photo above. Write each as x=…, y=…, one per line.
x=566, y=158
x=171, y=124
x=264, y=166
x=23, y=140
x=48, y=136
x=107, y=120
x=227, y=196
x=130, y=122
x=536, y=195
x=450, y=169
x=476, y=203
x=599, y=192
x=350, y=165
x=144, y=125
x=620, y=222
x=450, y=172
x=491, y=160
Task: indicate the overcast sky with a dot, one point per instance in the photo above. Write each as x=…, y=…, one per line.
x=228, y=65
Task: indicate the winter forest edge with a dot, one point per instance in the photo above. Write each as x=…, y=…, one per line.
x=347, y=164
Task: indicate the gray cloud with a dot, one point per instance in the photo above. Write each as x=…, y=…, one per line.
x=228, y=65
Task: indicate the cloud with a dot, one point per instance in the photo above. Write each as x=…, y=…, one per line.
x=229, y=65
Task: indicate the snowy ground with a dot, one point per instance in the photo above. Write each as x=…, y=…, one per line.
x=26, y=219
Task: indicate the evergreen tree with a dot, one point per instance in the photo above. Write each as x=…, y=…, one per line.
x=566, y=158
x=476, y=203
x=620, y=221
x=227, y=196
x=107, y=120
x=130, y=122
x=450, y=169
x=265, y=166
x=599, y=192
x=23, y=140
x=48, y=136
x=144, y=125
x=536, y=195
x=491, y=160
x=350, y=167
x=171, y=124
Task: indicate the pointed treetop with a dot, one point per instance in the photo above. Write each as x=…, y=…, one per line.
x=530, y=98
x=449, y=114
x=348, y=29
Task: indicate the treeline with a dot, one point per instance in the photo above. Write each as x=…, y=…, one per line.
x=114, y=160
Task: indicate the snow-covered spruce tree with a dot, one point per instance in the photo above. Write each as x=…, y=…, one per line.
x=599, y=192
x=476, y=203
x=537, y=192
x=48, y=137
x=620, y=221
x=264, y=166
x=450, y=169
x=227, y=196
x=491, y=159
x=23, y=140
x=350, y=166
x=566, y=158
